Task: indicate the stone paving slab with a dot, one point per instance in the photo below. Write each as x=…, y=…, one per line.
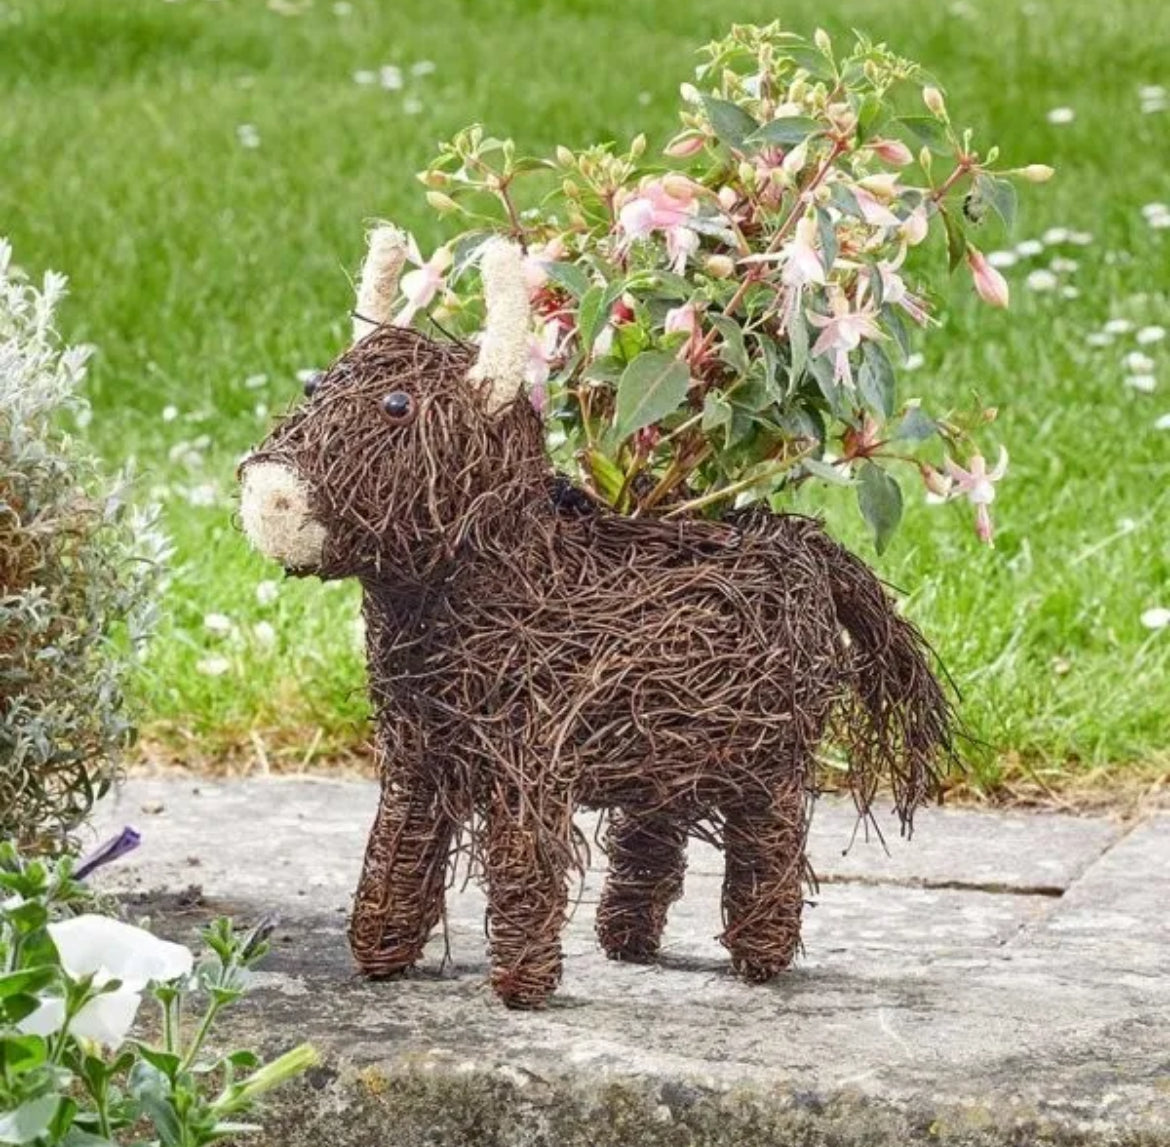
x=1026, y=999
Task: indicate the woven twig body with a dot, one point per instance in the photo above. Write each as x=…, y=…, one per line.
x=530, y=655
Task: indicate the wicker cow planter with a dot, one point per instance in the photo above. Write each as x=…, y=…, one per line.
x=530, y=654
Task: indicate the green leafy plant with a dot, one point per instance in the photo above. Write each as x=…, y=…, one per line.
x=723, y=326
x=71, y=982
x=79, y=572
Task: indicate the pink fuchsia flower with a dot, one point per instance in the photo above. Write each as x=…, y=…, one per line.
x=990, y=285
x=976, y=484
x=895, y=291
x=873, y=211
x=842, y=333
x=537, y=260
x=802, y=264
x=684, y=318
x=419, y=287
x=660, y=205
x=915, y=227
x=544, y=348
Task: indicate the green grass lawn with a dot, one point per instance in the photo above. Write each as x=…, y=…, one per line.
x=209, y=273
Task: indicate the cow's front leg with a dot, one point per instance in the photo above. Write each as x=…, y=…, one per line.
x=399, y=898
x=763, y=884
x=527, y=862
x=647, y=859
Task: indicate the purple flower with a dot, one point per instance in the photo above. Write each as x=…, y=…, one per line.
x=114, y=849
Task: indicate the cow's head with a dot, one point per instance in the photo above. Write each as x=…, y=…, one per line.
x=407, y=450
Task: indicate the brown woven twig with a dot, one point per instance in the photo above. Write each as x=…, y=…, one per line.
x=530, y=654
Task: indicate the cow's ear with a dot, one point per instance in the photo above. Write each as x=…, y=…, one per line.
x=386, y=248
x=503, y=353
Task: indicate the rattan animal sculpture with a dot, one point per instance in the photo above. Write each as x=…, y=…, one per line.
x=531, y=654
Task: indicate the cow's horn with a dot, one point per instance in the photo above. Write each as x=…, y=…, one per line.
x=378, y=286
x=503, y=353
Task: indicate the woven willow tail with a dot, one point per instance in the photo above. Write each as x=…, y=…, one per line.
x=530, y=654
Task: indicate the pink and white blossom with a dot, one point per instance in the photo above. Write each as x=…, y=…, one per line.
x=990, y=285
x=842, y=333
x=976, y=484
x=419, y=287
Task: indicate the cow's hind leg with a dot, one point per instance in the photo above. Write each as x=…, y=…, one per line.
x=647, y=859
x=763, y=891
x=399, y=898
x=527, y=860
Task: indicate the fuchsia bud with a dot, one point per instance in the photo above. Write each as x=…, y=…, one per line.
x=892, y=151
x=685, y=144
x=990, y=285
x=935, y=103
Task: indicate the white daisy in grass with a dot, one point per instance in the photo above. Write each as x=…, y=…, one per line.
x=1063, y=266
x=1070, y=293
x=218, y=624
x=422, y=68
x=1156, y=618
x=1152, y=209
x=170, y=413
x=307, y=375
x=1138, y=363
x=255, y=381
x=261, y=410
x=1162, y=422
x=267, y=592
x=264, y=634
x=913, y=362
x=365, y=77
x=1099, y=338
x=213, y=666
x=202, y=496
x=1003, y=258
x=1061, y=116
x=1028, y=248
x=248, y=136
x=390, y=77
x=1054, y=236
x=1080, y=238
x=1160, y=222
x=1041, y=281
x=1148, y=335
x=411, y=106
x=1119, y=326
x=1144, y=383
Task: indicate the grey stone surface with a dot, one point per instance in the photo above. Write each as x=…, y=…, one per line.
x=998, y=979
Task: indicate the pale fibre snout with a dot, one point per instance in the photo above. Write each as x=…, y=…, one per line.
x=503, y=353
x=274, y=510
x=378, y=286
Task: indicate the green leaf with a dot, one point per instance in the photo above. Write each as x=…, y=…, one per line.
x=956, y=239
x=29, y=1121
x=575, y=280
x=19, y=1053
x=828, y=237
x=897, y=327
x=733, y=350
x=787, y=131
x=593, y=313
x=164, y=1061
x=650, y=388
x=869, y=116
x=730, y=122
x=915, y=426
x=672, y=285
x=27, y=980
x=926, y=129
x=798, y=347
x=834, y=475
x=717, y=413
x=880, y=500
x=876, y=379
x=1000, y=195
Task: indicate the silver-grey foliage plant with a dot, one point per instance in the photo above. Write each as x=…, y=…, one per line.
x=79, y=573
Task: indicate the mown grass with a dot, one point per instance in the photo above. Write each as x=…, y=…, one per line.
x=198, y=263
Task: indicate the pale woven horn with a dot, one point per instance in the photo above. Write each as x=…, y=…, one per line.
x=378, y=286
x=503, y=353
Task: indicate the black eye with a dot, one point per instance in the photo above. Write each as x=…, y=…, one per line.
x=399, y=407
x=311, y=384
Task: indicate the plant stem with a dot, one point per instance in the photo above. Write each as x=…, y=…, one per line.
x=736, y=487
x=200, y=1035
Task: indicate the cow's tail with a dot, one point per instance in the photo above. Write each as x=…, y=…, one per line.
x=896, y=722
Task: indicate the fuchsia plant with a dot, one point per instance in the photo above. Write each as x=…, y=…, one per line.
x=725, y=330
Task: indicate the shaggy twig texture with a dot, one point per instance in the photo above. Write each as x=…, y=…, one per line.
x=529, y=655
